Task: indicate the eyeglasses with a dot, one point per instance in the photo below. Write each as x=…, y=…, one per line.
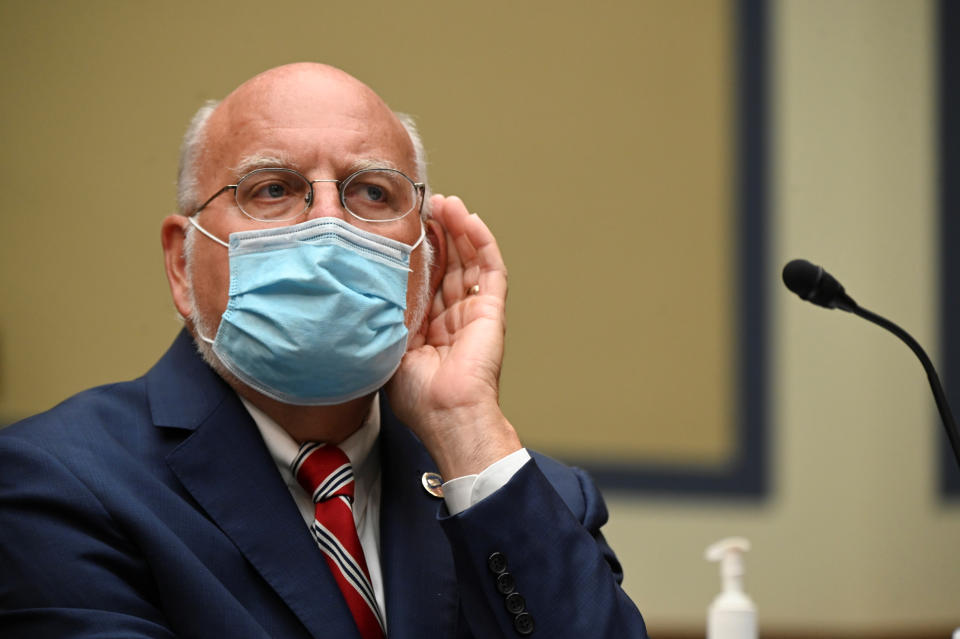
x=372, y=195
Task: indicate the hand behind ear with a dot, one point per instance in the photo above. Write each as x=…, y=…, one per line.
x=450, y=374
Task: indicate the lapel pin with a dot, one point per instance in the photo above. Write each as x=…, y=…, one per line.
x=433, y=484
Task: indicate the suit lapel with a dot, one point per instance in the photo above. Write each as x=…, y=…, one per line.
x=227, y=468
x=419, y=580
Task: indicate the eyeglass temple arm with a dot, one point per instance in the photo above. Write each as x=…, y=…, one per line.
x=214, y=196
x=422, y=187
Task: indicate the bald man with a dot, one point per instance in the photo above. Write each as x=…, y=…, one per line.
x=321, y=452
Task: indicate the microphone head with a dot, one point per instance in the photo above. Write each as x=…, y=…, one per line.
x=802, y=277
x=814, y=284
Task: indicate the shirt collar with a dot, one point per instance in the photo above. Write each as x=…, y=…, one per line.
x=357, y=447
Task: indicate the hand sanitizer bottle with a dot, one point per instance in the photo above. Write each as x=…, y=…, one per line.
x=732, y=614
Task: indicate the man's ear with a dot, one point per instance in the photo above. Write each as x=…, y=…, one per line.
x=437, y=236
x=173, y=235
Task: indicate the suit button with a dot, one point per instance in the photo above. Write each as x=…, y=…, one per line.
x=505, y=583
x=515, y=603
x=523, y=623
x=497, y=563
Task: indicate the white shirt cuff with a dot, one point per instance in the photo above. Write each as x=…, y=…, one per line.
x=462, y=492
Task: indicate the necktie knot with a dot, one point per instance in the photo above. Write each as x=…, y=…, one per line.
x=324, y=471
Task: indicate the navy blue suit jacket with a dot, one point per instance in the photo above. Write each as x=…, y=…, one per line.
x=152, y=508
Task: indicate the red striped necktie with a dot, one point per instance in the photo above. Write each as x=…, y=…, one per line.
x=325, y=473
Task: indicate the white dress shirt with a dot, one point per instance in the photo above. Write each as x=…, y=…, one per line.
x=362, y=448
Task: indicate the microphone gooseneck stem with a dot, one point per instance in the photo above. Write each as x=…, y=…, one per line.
x=945, y=414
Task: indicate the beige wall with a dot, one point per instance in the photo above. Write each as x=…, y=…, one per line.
x=594, y=141
x=853, y=538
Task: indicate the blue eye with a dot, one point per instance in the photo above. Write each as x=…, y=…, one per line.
x=270, y=188
x=374, y=193
x=276, y=190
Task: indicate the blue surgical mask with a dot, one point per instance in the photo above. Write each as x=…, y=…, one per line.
x=316, y=310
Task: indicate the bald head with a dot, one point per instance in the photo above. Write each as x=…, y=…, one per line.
x=307, y=100
x=291, y=84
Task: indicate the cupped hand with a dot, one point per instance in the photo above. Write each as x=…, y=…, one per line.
x=447, y=387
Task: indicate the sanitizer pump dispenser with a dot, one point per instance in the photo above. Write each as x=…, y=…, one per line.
x=732, y=614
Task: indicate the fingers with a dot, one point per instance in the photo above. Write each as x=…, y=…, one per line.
x=454, y=282
x=473, y=256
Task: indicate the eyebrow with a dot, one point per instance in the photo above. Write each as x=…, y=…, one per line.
x=372, y=163
x=262, y=161
x=282, y=161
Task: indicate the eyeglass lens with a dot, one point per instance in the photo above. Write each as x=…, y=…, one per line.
x=373, y=194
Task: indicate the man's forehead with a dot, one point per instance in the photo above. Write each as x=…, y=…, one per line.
x=295, y=109
x=300, y=93
x=280, y=112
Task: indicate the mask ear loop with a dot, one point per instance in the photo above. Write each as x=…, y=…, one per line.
x=211, y=235
x=218, y=241
x=423, y=234
x=413, y=247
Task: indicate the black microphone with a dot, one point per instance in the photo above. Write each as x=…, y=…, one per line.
x=815, y=285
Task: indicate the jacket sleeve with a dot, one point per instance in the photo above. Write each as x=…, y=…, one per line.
x=532, y=562
x=64, y=571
